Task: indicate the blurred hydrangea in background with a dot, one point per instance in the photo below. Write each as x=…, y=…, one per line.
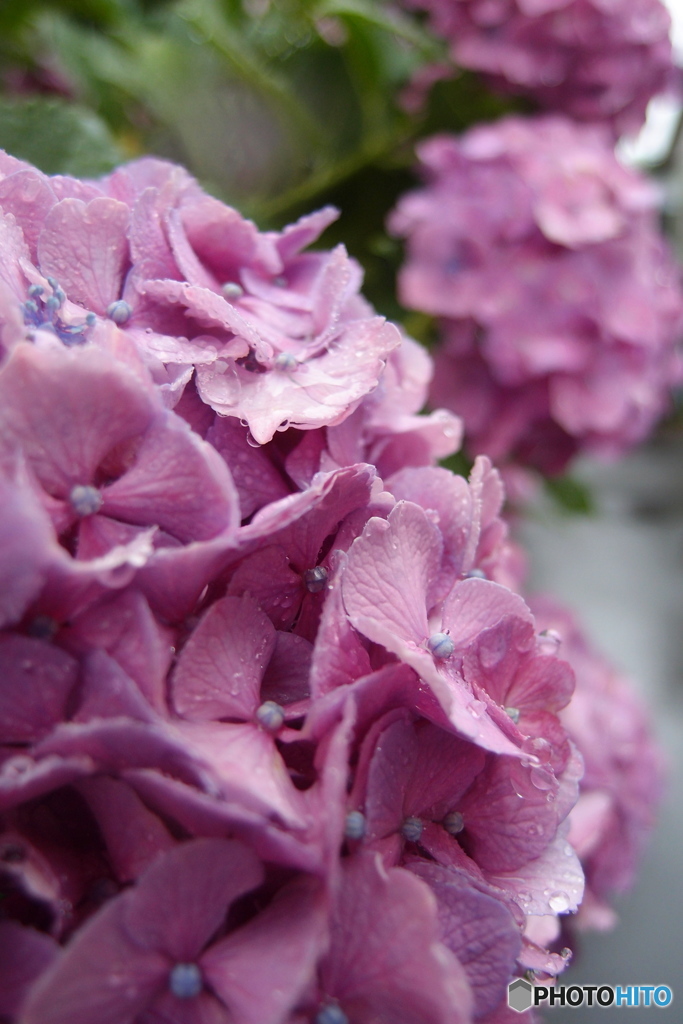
x=307, y=309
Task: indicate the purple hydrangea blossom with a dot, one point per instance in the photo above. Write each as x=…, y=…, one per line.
x=280, y=743
x=559, y=303
x=590, y=60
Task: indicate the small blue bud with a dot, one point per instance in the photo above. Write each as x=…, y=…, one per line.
x=90, y=320
x=513, y=713
x=281, y=281
x=53, y=283
x=120, y=312
x=85, y=500
x=52, y=303
x=331, y=1014
x=270, y=716
x=60, y=295
x=454, y=823
x=315, y=579
x=185, y=981
x=440, y=645
x=232, y=290
x=411, y=829
x=355, y=825
x=476, y=574
x=30, y=307
x=286, y=361
x=35, y=291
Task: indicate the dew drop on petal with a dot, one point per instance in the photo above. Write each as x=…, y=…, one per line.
x=559, y=902
x=185, y=981
x=454, y=823
x=85, y=500
x=331, y=1014
x=513, y=713
x=476, y=574
x=315, y=579
x=270, y=716
x=440, y=645
x=541, y=778
x=411, y=829
x=120, y=312
x=354, y=827
x=549, y=641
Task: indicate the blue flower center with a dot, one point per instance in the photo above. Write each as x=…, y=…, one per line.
x=185, y=981
x=42, y=312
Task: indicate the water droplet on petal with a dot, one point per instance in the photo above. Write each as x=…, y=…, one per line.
x=185, y=981
x=285, y=362
x=476, y=708
x=513, y=713
x=440, y=645
x=476, y=574
x=549, y=641
x=315, y=579
x=541, y=778
x=559, y=902
x=85, y=500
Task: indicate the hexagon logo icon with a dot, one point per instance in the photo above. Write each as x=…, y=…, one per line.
x=520, y=995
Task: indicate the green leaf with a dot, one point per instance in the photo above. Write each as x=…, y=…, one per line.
x=58, y=137
x=571, y=496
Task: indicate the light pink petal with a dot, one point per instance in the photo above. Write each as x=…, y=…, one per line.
x=180, y=900
x=262, y=970
x=177, y=482
x=388, y=574
x=85, y=247
x=339, y=657
x=28, y=196
x=68, y=408
x=552, y=883
x=474, y=605
x=304, y=231
x=219, y=672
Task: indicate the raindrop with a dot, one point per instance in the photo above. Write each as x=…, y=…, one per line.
x=513, y=713
x=185, y=981
x=315, y=579
x=454, y=823
x=85, y=500
x=440, y=645
x=411, y=829
x=476, y=708
x=559, y=902
x=476, y=574
x=286, y=361
x=541, y=778
x=549, y=641
x=355, y=825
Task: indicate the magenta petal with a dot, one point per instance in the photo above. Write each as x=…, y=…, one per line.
x=261, y=970
x=102, y=977
x=339, y=657
x=286, y=680
x=22, y=778
x=257, y=480
x=478, y=928
x=180, y=900
x=130, y=849
x=386, y=962
x=268, y=578
x=24, y=955
x=219, y=672
x=550, y=884
x=35, y=682
x=85, y=248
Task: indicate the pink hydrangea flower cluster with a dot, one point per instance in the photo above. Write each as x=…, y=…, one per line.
x=560, y=304
x=622, y=781
x=279, y=742
x=591, y=60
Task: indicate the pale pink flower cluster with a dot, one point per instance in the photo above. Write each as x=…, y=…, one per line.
x=560, y=304
x=279, y=741
x=591, y=60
